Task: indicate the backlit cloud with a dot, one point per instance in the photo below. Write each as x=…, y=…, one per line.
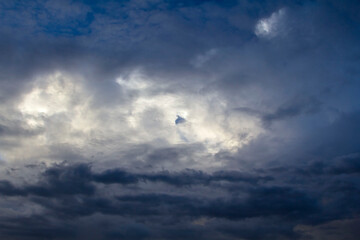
x=179, y=120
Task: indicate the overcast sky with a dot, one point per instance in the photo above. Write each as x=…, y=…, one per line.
x=189, y=119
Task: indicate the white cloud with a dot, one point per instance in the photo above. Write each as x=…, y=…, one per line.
x=269, y=27
x=134, y=81
x=62, y=104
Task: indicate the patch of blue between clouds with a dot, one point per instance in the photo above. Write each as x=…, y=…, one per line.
x=179, y=120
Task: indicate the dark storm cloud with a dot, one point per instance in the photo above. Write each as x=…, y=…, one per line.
x=8, y=189
x=80, y=200
x=76, y=179
x=183, y=178
x=64, y=183
x=346, y=165
x=116, y=176
x=34, y=227
x=54, y=182
x=297, y=78
x=293, y=108
x=79, y=178
x=266, y=202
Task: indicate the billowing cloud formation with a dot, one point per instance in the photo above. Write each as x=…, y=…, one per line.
x=179, y=120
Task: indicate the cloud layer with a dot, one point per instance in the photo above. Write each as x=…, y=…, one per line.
x=179, y=119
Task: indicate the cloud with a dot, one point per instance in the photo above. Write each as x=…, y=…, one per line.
x=79, y=178
x=73, y=191
x=179, y=120
x=201, y=59
x=346, y=164
x=55, y=181
x=345, y=228
x=7, y=189
x=293, y=108
x=270, y=27
x=34, y=227
x=116, y=176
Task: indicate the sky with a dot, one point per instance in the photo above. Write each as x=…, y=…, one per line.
x=188, y=119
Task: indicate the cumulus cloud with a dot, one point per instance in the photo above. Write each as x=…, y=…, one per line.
x=179, y=119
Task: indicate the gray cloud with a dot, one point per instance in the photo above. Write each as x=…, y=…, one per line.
x=190, y=119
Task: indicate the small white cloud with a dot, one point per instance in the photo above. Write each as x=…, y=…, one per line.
x=135, y=81
x=269, y=27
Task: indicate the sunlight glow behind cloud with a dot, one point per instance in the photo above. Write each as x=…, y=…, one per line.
x=158, y=119
x=60, y=98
